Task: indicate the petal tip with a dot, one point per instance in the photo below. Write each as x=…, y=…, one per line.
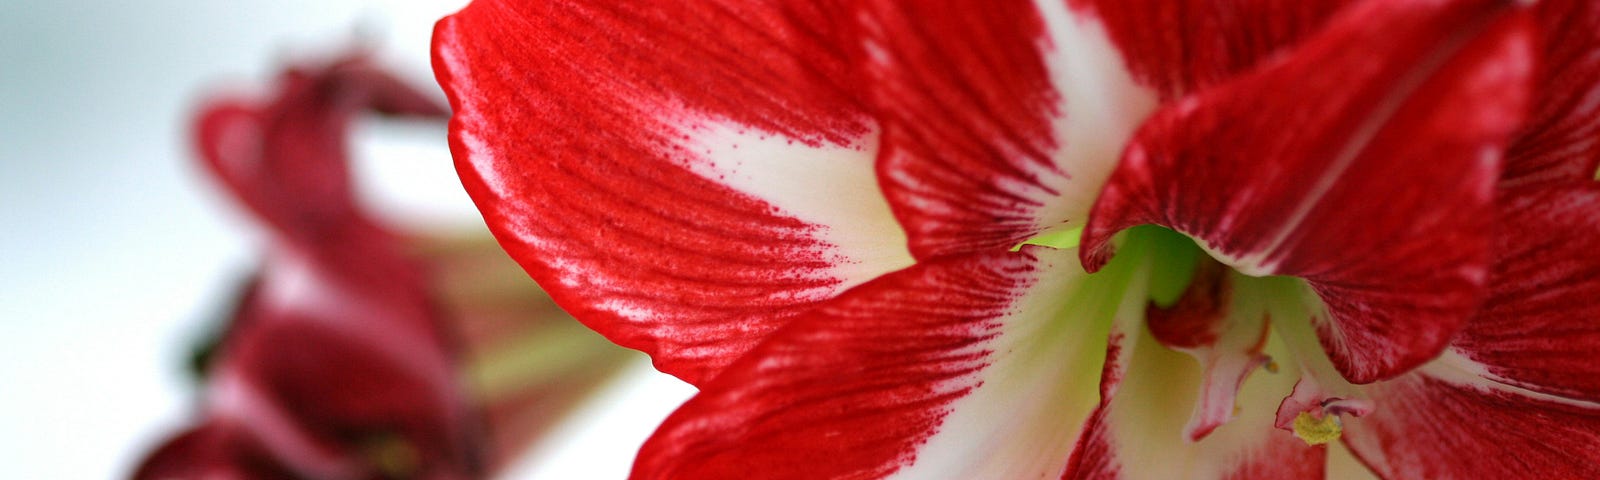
x=1095, y=251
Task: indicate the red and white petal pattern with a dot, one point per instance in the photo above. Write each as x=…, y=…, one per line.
x=1182, y=46
x=1138, y=432
x=1561, y=140
x=1434, y=424
x=683, y=183
x=1540, y=328
x=1000, y=119
x=1517, y=396
x=977, y=367
x=1377, y=189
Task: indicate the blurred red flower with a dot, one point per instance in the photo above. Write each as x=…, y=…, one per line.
x=355, y=351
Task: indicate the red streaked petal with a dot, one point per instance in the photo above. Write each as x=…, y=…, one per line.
x=1516, y=396
x=975, y=367
x=1426, y=427
x=1561, y=140
x=1181, y=46
x=684, y=183
x=1001, y=119
x=1138, y=430
x=1377, y=189
x=1540, y=328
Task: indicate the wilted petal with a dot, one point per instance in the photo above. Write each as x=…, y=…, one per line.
x=974, y=367
x=682, y=176
x=1561, y=140
x=1376, y=188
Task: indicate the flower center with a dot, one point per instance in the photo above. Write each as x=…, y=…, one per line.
x=1224, y=318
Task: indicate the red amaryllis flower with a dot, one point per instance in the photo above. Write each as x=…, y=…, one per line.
x=335, y=363
x=356, y=351
x=855, y=226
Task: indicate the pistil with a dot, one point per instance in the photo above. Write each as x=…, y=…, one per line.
x=1222, y=326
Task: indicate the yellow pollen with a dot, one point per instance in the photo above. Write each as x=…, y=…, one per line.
x=1317, y=431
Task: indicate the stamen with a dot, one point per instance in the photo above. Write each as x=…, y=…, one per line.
x=1317, y=429
x=1316, y=415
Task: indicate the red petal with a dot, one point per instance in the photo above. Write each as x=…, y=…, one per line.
x=1517, y=396
x=1000, y=119
x=1425, y=427
x=1181, y=46
x=684, y=181
x=336, y=363
x=286, y=157
x=212, y=451
x=948, y=368
x=1540, y=328
x=1376, y=188
x=318, y=371
x=1561, y=140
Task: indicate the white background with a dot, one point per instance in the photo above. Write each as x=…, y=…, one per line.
x=114, y=250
